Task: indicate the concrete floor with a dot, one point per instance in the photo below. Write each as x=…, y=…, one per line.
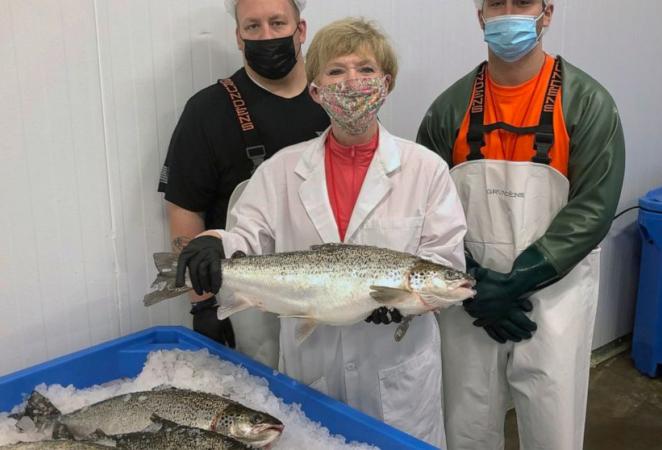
x=624, y=409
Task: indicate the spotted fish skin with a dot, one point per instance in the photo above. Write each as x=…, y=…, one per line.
x=55, y=445
x=167, y=435
x=132, y=413
x=339, y=284
x=333, y=284
x=183, y=439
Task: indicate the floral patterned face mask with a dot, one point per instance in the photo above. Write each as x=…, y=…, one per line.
x=353, y=104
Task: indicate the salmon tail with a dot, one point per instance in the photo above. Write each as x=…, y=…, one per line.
x=40, y=406
x=164, y=285
x=39, y=413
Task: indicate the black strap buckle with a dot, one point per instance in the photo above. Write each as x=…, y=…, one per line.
x=476, y=141
x=543, y=143
x=257, y=154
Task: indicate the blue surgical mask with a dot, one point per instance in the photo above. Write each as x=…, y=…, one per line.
x=511, y=37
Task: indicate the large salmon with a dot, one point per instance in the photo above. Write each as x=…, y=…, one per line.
x=333, y=284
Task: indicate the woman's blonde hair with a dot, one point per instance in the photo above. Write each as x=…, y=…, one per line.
x=347, y=36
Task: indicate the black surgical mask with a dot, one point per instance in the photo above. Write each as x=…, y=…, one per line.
x=271, y=58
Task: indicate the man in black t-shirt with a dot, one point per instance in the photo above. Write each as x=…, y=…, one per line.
x=208, y=156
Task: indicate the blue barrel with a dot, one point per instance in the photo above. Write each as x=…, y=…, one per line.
x=647, y=337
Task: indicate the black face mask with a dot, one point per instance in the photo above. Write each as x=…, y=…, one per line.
x=271, y=58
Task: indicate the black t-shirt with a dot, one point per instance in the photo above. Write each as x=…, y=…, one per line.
x=207, y=154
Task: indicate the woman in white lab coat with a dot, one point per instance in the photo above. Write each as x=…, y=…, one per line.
x=357, y=184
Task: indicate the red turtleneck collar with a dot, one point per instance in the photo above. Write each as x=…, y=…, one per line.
x=346, y=168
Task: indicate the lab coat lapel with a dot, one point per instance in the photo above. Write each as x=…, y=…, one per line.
x=313, y=193
x=377, y=183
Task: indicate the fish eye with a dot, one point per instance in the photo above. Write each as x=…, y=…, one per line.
x=255, y=420
x=452, y=275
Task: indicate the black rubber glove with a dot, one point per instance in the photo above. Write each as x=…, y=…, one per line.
x=203, y=257
x=205, y=322
x=384, y=315
x=514, y=327
x=500, y=301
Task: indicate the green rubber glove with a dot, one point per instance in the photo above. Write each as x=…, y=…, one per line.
x=501, y=300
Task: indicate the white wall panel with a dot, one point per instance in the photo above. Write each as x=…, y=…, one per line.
x=90, y=91
x=18, y=297
x=51, y=194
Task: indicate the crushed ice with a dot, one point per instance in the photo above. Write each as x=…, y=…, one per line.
x=200, y=371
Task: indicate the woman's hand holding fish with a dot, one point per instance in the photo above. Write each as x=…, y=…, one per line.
x=384, y=315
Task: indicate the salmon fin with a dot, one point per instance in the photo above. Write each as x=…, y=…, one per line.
x=164, y=423
x=231, y=305
x=153, y=427
x=304, y=328
x=97, y=435
x=327, y=246
x=25, y=424
x=163, y=387
x=60, y=431
x=388, y=295
x=164, y=284
x=437, y=302
x=238, y=254
x=39, y=406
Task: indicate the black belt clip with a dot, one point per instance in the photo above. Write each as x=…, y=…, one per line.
x=476, y=141
x=257, y=154
x=543, y=143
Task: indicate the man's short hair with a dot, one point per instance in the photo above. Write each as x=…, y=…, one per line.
x=480, y=3
x=231, y=6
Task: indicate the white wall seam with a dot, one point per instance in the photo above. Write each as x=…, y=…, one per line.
x=563, y=23
x=175, y=107
x=138, y=158
x=190, y=46
x=148, y=260
x=75, y=178
x=111, y=200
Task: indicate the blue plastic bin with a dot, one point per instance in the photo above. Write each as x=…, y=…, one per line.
x=125, y=357
x=647, y=337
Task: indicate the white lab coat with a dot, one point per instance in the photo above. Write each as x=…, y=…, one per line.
x=408, y=202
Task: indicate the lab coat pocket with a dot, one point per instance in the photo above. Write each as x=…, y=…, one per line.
x=396, y=233
x=320, y=385
x=411, y=394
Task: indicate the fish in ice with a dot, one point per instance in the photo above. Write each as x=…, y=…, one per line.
x=132, y=412
x=60, y=444
x=167, y=435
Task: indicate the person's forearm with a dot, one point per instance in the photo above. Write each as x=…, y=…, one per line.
x=184, y=226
